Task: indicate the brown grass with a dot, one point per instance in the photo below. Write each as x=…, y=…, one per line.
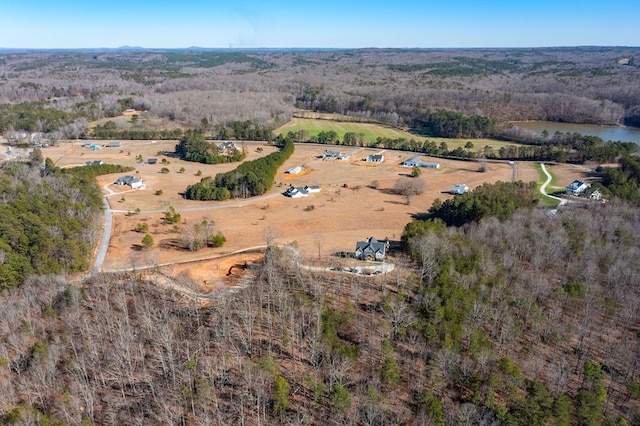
x=340, y=217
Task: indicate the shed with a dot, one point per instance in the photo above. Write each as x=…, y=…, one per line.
x=114, y=144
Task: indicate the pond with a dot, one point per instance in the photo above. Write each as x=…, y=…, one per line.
x=607, y=133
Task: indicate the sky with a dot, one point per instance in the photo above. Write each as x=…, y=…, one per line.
x=318, y=24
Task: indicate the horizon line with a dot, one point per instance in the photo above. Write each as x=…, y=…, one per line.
x=126, y=47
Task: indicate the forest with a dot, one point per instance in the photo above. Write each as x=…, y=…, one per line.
x=243, y=94
x=523, y=319
x=497, y=312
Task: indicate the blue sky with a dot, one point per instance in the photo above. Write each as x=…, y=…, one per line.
x=328, y=23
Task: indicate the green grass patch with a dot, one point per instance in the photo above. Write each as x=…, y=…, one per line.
x=373, y=131
x=551, y=202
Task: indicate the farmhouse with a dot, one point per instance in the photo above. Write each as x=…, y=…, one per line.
x=576, y=187
x=375, y=158
x=132, y=181
x=371, y=249
x=299, y=192
x=459, y=188
x=114, y=144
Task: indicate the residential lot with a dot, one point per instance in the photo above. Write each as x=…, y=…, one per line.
x=356, y=201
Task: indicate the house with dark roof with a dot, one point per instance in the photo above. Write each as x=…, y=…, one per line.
x=299, y=191
x=576, y=187
x=371, y=249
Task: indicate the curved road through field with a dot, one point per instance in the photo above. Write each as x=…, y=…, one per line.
x=543, y=188
x=167, y=281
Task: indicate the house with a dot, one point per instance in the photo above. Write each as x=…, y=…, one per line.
x=228, y=146
x=152, y=160
x=299, y=192
x=371, y=249
x=295, y=192
x=594, y=194
x=375, y=158
x=334, y=155
x=294, y=170
x=93, y=163
x=412, y=162
x=459, y=188
x=576, y=187
x=132, y=181
x=87, y=145
x=114, y=144
x=417, y=161
x=429, y=165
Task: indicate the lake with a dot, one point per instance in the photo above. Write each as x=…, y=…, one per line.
x=607, y=133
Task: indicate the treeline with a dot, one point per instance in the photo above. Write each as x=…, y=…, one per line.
x=624, y=182
x=109, y=130
x=194, y=147
x=249, y=179
x=33, y=117
x=243, y=130
x=498, y=200
x=47, y=220
x=469, y=274
x=451, y=124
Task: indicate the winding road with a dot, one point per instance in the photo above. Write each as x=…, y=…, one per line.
x=543, y=188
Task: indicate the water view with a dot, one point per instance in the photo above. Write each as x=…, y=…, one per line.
x=607, y=133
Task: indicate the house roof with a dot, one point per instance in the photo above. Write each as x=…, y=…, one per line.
x=372, y=245
x=576, y=184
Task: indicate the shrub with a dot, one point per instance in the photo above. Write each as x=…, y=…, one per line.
x=217, y=240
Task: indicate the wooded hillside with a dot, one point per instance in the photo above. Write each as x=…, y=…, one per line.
x=530, y=320
x=59, y=93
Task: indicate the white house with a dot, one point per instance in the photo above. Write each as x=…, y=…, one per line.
x=132, y=181
x=294, y=170
x=576, y=187
x=299, y=192
x=228, y=146
x=417, y=161
x=459, y=188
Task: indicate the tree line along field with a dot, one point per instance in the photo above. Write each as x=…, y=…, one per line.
x=312, y=127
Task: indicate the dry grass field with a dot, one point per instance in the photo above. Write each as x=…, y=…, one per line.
x=347, y=208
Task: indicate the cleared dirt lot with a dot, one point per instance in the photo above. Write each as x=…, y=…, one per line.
x=321, y=224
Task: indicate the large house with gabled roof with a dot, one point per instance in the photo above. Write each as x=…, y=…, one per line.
x=371, y=249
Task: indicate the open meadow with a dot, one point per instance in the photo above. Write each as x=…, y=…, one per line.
x=313, y=126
